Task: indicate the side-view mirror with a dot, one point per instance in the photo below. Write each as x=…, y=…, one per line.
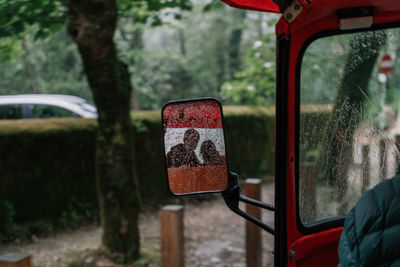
x=194, y=145
x=195, y=157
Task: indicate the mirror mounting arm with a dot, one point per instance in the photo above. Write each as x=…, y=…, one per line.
x=256, y=203
x=232, y=197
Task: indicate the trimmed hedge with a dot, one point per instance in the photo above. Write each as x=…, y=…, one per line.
x=313, y=122
x=47, y=165
x=250, y=140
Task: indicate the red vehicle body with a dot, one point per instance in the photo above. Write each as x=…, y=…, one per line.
x=302, y=21
x=294, y=246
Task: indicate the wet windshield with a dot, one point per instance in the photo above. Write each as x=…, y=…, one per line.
x=349, y=120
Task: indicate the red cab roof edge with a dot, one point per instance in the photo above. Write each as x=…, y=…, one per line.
x=257, y=5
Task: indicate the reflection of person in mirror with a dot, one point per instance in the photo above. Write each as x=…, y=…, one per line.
x=211, y=155
x=183, y=154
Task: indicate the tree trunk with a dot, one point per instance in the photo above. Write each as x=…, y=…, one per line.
x=219, y=51
x=92, y=24
x=182, y=45
x=29, y=68
x=348, y=111
x=260, y=31
x=235, y=41
x=135, y=45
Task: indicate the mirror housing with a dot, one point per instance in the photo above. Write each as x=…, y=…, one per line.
x=194, y=146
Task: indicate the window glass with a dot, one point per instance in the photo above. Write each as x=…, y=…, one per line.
x=45, y=111
x=349, y=120
x=10, y=112
x=88, y=108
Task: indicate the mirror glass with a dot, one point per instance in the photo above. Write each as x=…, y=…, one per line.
x=195, y=146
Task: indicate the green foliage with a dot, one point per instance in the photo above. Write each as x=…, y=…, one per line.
x=42, y=173
x=152, y=10
x=193, y=54
x=75, y=259
x=38, y=18
x=192, y=57
x=53, y=65
x=9, y=49
x=313, y=121
x=7, y=224
x=50, y=66
x=160, y=78
x=213, y=5
x=255, y=85
x=321, y=71
x=250, y=144
x=36, y=228
x=150, y=255
x=70, y=219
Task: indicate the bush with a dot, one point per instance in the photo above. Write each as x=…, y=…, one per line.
x=7, y=224
x=313, y=122
x=48, y=165
x=250, y=140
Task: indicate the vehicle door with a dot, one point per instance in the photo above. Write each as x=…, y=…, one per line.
x=335, y=111
x=335, y=134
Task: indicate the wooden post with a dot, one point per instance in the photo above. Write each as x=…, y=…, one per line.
x=15, y=259
x=253, y=233
x=308, y=199
x=366, y=169
x=172, y=238
x=383, y=161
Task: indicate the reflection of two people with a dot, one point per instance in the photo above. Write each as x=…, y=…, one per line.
x=184, y=155
x=211, y=155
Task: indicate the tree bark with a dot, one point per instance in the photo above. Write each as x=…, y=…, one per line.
x=92, y=25
x=29, y=68
x=260, y=31
x=220, y=54
x=235, y=40
x=182, y=41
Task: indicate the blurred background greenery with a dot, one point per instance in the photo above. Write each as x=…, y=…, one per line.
x=201, y=49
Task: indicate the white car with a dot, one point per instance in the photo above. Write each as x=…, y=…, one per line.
x=32, y=106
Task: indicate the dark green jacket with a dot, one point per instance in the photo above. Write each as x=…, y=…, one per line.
x=371, y=235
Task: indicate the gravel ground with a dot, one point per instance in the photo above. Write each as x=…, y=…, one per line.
x=214, y=236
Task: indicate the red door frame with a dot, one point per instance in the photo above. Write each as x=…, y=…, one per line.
x=292, y=246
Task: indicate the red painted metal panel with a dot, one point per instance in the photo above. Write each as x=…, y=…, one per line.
x=258, y=5
x=318, y=16
x=326, y=256
x=318, y=11
x=326, y=242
